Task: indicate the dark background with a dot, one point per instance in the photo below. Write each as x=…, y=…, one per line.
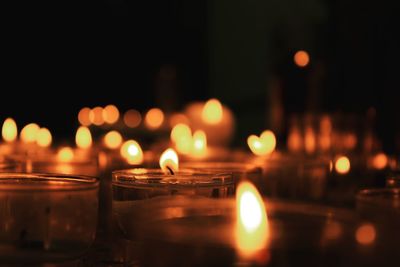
x=57, y=57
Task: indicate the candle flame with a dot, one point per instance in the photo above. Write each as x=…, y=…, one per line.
x=132, y=152
x=65, y=154
x=263, y=145
x=199, y=148
x=84, y=116
x=9, y=131
x=83, y=137
x=212, y=112
x=301, y=58
x=252, y=228
x=43, y=137
x=380, y=161
x=110, y=114
x=342, y=165
x=181, y=135
x=96, y=116
x=113, y=139
x=29, y=132
x=169, y=161
x=154, y=118
x=310, y=144
x=132, y=118
x=365, y=234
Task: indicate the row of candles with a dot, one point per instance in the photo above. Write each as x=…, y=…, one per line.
x=199, y=138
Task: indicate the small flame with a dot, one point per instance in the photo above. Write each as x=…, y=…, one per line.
x=154, y=118
x=365, y=234
x=252, y=228
x=132, y=118
x=132, y=152
x=83, y=137
x=212, y=112
x=301, y=58
x=113, y=140
x=65, y=154
x=96, y=116
x=181, y=135
x=169, y=161
x=9, y=131
x=380, y=161
x=178, y=118
x=110, y=114
x=263, y=145
x=310, y=144
x=199, y=148
x=342, y=165
x=43, y=137
x=84, y=116
x=29, y=132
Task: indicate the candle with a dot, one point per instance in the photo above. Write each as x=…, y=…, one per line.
x=241, y=232
x=46, y=218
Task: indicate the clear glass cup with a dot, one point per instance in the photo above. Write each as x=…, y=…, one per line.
x=46, y=217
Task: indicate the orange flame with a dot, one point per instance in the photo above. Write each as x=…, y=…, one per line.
x=113, y=139
x=96, y=116
x=132, y=118
x=380, y=161
x=65, y=154
x=110, y=114
x=199, y=148
x=252, y=228
x=43, y=137
x=9, y=131
x=212, y=112
x=301, y=58
x=154, y=118
x=342, y=165
x=263, y=145
x=84, y=116
x=365, y=234
x=83, y=137
x=169, y=161
x=181, y=135
x=29, y=132
x=132, y=152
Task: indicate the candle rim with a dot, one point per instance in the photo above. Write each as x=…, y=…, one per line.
x=48, y=182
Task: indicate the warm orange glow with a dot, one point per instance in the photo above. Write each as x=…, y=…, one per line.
x=96, y=116
x=113, y=139
x=263, y=145
x=269, y=140
x=199, y=148
x=29, y=132
x=43, y=137
x=252, y=229
x=212, y=112
x=380, y=161
x=366, y=234
x=110, y=114
x=342, y=165
x=9, y=131
x=65, y=154
x=301, y=58
x=132, y=118
x=83, y=137
x=178, y=118
x=154, y=118
x=132, y=152
x=332, y=231
x=350, y=141
x=181, y=135
x=169, y=161
x=84, y=116
x=180, y=131
x=310, y=143
x=295, y=141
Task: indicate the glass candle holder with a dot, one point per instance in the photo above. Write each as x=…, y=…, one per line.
x=239, y=171
x=11, y=166
x=46, y=217
x=380, y=204
x=201, y=232
x=136, y=190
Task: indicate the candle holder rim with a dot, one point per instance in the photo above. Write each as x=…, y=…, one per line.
x=41, y=182
x=223, y=166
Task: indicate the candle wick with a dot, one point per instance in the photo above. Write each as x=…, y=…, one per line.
x=170, y=170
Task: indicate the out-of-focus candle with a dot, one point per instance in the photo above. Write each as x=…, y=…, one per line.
x=154, y=118
x=342, y=165
x=83, y=138
x=113, y=140
x=29, y=133
x=263, y=145
x=199, y=147
x=43, y=137
x=132, y=152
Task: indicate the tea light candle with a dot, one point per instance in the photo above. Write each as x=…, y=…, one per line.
x=46, y=218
